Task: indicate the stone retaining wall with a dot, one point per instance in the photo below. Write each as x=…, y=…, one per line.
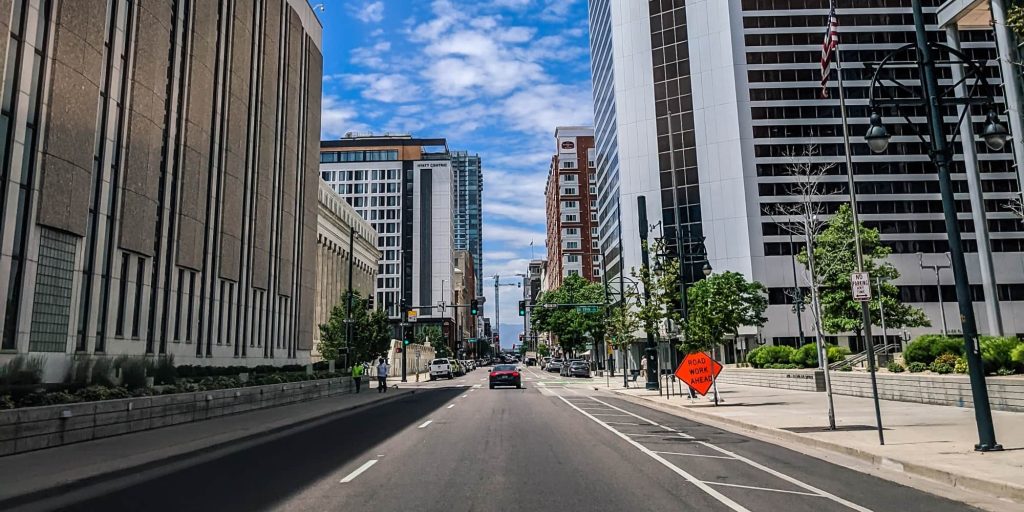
x=34, y=428
x=1005, y=393
x=798, y=380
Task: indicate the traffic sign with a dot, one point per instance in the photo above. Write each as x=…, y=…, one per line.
x=698, y=371
x=861, y=283
x=587, y=309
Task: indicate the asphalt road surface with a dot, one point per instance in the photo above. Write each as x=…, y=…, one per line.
x=553, y=446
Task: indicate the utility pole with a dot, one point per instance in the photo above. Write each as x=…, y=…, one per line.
x=348, y=298
x=651, y=350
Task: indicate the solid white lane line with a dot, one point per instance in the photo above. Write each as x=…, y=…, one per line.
x=723, y=484
x=697, y=455
x=425, y=423
x=608, y=414
x=352, y=476
x=690, y=478
x=450, y=406
x=477, y=386
x=623, y=423
x=789, y=479
x=463, y=396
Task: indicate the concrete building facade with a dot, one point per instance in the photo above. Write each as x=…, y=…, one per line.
x=338, y=227
x=158, y=180
x=463, y=293
x=403, y=187
x=571, y=205
x=733, y=88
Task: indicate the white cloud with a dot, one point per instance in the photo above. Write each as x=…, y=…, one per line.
x=557, y=10
x=337, y=118
x=384, y=87
x=370, y=12
x=520, y=236
x=371, y=56
x=511, y=4
x=542, y=107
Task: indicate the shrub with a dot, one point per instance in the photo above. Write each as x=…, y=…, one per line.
x=6, y=402
x=960, y=366
x=1003, y=372
x=846, y=369
x=917, y=367
x=895, y=367
x=164, y=371
x=836, y=354
x=805, y=356
x=926, y=348
x=34, y=400
x=133, y=371
x=773, y=354
x=93, y=393
x=22, y=371
x=996, y=351
x=944, y=364
x=101, y=372
x=62, y=397
x=1017, y=356
x=119, y=392
x=752, y=356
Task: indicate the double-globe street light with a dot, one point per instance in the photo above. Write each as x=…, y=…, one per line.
x=902, y=101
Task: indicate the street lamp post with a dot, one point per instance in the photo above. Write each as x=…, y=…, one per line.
x=651, y=349
x=938, y=286
x=994, y=135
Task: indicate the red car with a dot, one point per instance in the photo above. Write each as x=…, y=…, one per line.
x=506, y=375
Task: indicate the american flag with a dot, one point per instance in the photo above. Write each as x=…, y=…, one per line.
x=829, y=45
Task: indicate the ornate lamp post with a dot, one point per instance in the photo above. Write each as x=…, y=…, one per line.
x=902, y=101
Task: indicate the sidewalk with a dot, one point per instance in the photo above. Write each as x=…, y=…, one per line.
x=931, y=441
x=45, y=470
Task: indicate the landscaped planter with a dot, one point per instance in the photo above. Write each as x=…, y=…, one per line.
x=33, y=428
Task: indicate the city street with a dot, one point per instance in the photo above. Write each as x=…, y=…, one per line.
x=556, y=445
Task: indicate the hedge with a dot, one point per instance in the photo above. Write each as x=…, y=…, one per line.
x=926, y=348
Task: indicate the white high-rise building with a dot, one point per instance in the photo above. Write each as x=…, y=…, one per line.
x=737, y=87
x=403, y=187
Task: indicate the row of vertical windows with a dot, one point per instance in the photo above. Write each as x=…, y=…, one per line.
x=327, y=157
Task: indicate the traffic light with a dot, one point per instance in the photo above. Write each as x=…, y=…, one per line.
x=522, y=308
x=474, y=307
x=406, y=335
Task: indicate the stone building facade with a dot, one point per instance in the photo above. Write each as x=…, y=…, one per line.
x=158, y=179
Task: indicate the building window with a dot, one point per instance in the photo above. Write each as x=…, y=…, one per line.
x=570, y=217
x=593, y=244
x=139, y=277
x=573, y=272
x=572, y=245
x=122, y=291
x=52, y=300
x=572, y=231
x=572, y=258
x=593, y=190
x=570, y=191
x=596, y=272
x=570, y=204
x=568, y=164
x=569, y=178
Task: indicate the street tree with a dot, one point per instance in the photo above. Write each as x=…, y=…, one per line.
x=574, y=328
x=622, y=323
x=432, y=334
x=543, y=350
x=371, y=333
x=655, y=308
x=835, y=258
x=718, y=306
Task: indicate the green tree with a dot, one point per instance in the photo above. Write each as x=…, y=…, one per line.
x=718, y=306
x=661, y=280
x=544, y=350
x=371, y=333
x=835, y=259
x=432, y=334
x=622, y=323
x=572, y=327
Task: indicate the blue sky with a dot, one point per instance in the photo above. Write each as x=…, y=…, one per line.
x=493, y=77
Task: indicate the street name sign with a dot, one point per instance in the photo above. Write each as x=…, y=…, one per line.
x=698, y=371
x=587, y=309
x=861, y=283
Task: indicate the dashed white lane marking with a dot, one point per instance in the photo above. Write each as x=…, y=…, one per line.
x=477, y=386
x=425, y=423
x=690, y=478
x=450, y=406
x=696, y=455
x=352, y=476
x=463, y=396
x=723, y=484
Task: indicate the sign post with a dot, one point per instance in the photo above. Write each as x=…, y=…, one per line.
x=861, y=284
x=698, y=370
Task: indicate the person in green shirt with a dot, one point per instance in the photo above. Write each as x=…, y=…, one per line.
x=357, y=376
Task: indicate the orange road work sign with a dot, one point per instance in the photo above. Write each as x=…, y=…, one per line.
x=697, y=370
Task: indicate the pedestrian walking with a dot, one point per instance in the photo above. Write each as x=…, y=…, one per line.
x=643, y=368
x=357, y=376
x=382, y=376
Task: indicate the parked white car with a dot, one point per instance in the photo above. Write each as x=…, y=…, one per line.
x=441, y=367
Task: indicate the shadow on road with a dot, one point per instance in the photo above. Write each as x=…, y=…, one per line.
x=261, y=476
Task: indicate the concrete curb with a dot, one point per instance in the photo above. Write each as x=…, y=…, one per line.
x=180, y=453
x=1003, y=490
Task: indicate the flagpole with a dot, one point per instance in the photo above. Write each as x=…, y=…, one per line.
x=865, y=306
